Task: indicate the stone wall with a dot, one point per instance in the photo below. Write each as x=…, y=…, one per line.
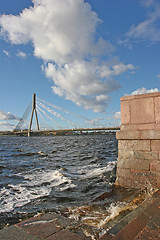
x=138, y=163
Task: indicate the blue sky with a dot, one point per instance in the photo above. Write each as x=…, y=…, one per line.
x=79, y=56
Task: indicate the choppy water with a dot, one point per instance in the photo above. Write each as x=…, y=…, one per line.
x=60, y=173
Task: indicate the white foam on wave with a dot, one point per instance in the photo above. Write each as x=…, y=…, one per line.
x=89, y=171
x=100, y=170
x=18, y=196
x=115, y=210
x=53, y=177
x=35, y=185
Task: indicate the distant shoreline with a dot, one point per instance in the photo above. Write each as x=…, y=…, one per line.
x=25, y=134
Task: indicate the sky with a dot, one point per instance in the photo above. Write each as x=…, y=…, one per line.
x=79, y=57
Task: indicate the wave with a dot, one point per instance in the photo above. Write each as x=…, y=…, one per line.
x=29, y=154
x=34, y=185
x=18, y=196
x=89, y=171
x=37, y=184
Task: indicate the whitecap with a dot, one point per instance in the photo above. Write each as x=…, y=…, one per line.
x=35, y=185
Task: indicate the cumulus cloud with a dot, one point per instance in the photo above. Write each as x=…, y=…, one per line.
x=7, y=116
x=59, y=30
x=21, y=54
x=144, y=90
x=81, y=82
x=63, y=34
x=149, y=28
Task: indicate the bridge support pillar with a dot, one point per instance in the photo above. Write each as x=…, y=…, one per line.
x=138, y=164
x=33, y=111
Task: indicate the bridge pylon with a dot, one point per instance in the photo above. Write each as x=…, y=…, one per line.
x=33, y=111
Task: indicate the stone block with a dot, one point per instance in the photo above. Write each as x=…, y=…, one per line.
x=143, y=181
x=139, y=179
x=139, y=155
x=133, y=163
x=67, y=235
x=144, y=126
x=138, y=164
x=155, y=145
x=143, y=145
x=147, y=178
x=138, y=134
x=40, y=229
x=127, y=182
x=142, y=111
x=125, y=112
x=158, y=179
x=138, y=172
x=128, y=135
x=155, y=166
x=122, y=172
x=157, y=109
x=125, y=154
x=136, y=127
x=150, y=134
x=15, y=233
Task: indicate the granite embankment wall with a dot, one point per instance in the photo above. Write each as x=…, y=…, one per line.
x=138, y=163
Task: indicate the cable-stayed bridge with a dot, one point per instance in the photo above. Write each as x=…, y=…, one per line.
x=52, y=118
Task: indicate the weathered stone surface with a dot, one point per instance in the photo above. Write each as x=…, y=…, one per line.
x=143, y=145
x=125, y=112
x=138, y=135
x=139, y=181
x=155, y=166
x=157, y=109
x=142, y=110
x=158, y=178
x=150, y=134
x=139, y=155
x=14, y=233
x=126, y=182
x=128, y=135
x=67, y=235
x=133, y=163
x=139, y=141
x=140, y=126
x=155, y=145
x=41, y=229
x=121, y=172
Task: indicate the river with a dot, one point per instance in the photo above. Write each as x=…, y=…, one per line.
x=71, y=175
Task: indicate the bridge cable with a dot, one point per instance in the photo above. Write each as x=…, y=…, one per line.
x=23, y=118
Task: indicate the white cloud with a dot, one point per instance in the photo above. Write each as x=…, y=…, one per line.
x=144, y=90
x=59, y=30
x=7, y=116
x=21, y=54
x=63, y=34
x=6, y=52
x=116, y=68
x=81, y=83
x=117, y=115
x=158, y=76
x=149, y=29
